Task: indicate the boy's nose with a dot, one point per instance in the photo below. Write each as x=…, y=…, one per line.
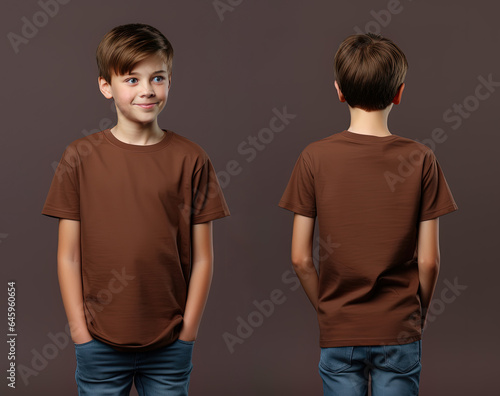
x=147, y=90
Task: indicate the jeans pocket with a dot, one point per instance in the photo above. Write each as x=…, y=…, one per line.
x=336, y=359
x=402, y=358
x=186, y=342
x=84, y=343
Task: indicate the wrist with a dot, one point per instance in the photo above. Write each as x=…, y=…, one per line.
x=79, y=332
x=188, y=333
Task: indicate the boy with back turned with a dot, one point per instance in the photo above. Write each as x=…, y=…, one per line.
x=377, y=197
x=136, y=205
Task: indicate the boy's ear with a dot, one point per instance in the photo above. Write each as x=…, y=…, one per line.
x=105, y=88
x=339, y=92
x=397, y=98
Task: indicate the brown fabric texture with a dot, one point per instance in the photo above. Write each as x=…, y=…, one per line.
x=369, y=195
x=136, y=206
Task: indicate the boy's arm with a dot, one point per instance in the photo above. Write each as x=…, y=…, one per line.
x=302, y=256
x=200, y=281
x=428, y=262
x=70, y=278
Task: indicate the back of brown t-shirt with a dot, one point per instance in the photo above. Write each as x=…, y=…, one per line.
x=369, y=194
x=136, y=205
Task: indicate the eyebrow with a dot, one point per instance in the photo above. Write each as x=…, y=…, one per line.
x=158, y=71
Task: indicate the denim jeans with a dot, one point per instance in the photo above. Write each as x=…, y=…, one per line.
x=394, y=370
x=102, y=370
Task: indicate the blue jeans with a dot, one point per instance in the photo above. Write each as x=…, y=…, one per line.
x=394, y=369
x=102, y=370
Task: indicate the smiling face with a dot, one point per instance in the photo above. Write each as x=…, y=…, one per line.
x=141, y=94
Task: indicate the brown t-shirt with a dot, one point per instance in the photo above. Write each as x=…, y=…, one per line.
x=136, y=205
x=369, y=194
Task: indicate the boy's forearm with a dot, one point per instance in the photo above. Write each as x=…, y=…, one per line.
x=302, y=256
x=428, y=279
x=308, y=277
x=198, y=290
x=70, y=283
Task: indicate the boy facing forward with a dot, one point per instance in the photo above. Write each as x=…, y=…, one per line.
x=377, y=197
x=136, y=204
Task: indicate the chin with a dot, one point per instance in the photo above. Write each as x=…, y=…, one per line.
x=147, y=120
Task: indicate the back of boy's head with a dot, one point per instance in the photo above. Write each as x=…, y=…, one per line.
x=121, y=49
x=369, y=70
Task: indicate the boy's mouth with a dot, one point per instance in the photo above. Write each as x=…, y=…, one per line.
x=146, y=105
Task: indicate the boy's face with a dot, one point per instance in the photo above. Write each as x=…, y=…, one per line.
x=140, y=95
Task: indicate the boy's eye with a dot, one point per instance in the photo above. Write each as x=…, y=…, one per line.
x=158, y=78
x=131, y=80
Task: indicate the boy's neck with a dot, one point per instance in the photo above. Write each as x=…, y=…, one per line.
x=141, y=135
x=369, y=122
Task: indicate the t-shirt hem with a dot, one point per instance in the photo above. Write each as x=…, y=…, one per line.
x=370, y=341
x=60, y=214
x=165, y=341
x=297, y=209
x=439, y=212
x=210, y=216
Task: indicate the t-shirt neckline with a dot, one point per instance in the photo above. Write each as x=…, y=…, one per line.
x=137, y=147
x=367, y=138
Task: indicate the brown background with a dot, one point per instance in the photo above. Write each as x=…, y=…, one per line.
x=228, y=77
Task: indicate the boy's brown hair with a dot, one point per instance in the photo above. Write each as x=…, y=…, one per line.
x=126, y=45
x=369, y=70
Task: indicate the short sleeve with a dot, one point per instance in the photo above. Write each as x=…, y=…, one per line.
x=63, y=198
x=208, y=199
x=299, y=196
x=436, y=198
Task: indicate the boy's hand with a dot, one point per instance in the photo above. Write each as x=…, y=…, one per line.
x=187, y=335
x=82, y=338
x=80, y=334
